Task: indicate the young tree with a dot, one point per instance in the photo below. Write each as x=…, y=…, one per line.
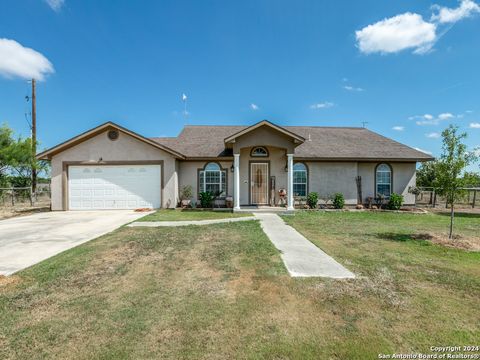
x=453, y=161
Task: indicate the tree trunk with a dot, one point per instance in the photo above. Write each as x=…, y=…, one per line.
x=452, y=214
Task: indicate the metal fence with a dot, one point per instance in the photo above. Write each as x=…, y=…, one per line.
x=428, y=196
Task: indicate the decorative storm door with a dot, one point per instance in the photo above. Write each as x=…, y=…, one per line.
x=259, y=183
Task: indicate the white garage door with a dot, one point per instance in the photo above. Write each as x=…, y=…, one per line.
x=114, y=187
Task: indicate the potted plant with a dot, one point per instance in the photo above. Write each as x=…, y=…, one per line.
x=186, y=196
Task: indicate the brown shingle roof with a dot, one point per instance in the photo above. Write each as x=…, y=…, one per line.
x=335, y=143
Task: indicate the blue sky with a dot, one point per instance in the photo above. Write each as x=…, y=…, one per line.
x=408, y=68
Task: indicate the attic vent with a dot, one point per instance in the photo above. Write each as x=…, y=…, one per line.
x=113, y=135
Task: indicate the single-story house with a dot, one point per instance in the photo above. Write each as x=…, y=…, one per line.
x=111, y=167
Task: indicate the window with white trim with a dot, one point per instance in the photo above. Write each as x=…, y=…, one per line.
x=213, y=179
x=259, y=151
x=300, y=179
x=383, y=178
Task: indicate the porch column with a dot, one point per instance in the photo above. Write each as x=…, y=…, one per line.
x=236, y=182
x=290, y=182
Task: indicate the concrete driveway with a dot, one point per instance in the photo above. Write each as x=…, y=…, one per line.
x=27, y=240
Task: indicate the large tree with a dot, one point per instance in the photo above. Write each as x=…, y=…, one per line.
x=450, y=167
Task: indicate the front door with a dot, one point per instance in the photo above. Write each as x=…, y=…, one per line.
x=259, y=183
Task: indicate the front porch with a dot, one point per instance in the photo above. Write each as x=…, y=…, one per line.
x=263, y=168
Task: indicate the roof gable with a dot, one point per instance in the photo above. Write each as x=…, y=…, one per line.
x=47, y=154
x=297, y=138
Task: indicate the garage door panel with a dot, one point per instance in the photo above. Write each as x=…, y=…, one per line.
x=114, y=187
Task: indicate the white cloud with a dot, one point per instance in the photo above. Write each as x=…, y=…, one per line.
x=398, y=128
x=429, y=119
x=424, y=151
x=475, y=125
x=254, y=106
x=433, y=135
x=322, y=105
x=445, y=116
x=352, y=88
x=469, y=111
x=56, y=5
x=405, y=31
x=447, y=15
x=425, y=116
x=19, y=61
x=411, y=31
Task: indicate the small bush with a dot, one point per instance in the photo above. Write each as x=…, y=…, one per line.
x=312, y=200
x=206, y=199
x=338, y=201
x=395, y=202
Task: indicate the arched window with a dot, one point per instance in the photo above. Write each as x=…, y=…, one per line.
x=383, y=180
x=300, y=179
x=213, y=179
x=259, y=151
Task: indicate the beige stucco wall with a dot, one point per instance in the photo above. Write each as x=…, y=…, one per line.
x=404, y=176
x=328, y=178
x=125, y=148
x=188, y=175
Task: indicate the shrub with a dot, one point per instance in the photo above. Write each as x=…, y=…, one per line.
x=380, y=201
x=312, y=200
x=395, y=202
x=338, y=201
x=206, y=199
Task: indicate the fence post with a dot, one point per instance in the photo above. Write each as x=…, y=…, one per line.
x=434, y=198
x=13, y=197
x=31, y=197
x=474, y=198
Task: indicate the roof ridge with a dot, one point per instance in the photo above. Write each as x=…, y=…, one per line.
x=326, y=127
x=285, y=126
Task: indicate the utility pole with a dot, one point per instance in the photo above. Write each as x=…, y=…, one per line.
x=34, y=138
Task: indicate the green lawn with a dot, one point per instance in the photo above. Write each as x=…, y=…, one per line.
x=191, y=214
x=221, y=292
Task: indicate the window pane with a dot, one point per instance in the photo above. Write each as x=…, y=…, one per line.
x=259, y=151
x=213, y=181
x=383, y=189
x=300, y=178
x=299, y=166
x=202, y=181
x=300, y=189
x=384, y=180
x=212, y=166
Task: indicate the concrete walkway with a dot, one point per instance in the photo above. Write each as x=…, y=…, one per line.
x=27, y=240
x=189, y=222
x=301, y=257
